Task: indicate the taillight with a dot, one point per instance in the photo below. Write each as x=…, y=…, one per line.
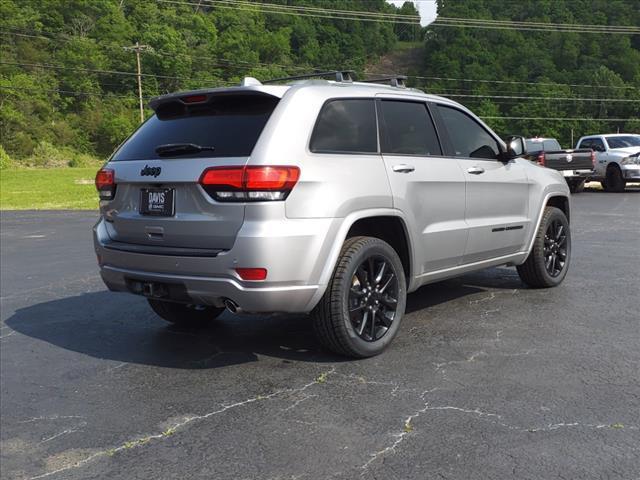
x=252, y=273
x=541, y=159
x=105, y=183
x=593, y=159
x=249, y=183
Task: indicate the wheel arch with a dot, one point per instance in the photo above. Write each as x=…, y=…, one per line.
x=556, y=199
x=364, y=222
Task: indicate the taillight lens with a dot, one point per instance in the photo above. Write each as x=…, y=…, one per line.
x=249, y=183
x=593, y=159
x=541, y=159
x=254, y=274
x=105, y=183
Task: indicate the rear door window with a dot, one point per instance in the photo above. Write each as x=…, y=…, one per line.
x=468, y=137
x=346, y=126
x=407, y=129
x=230, y=124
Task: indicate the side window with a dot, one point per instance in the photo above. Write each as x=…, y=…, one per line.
x=468, y=137
x=586, y=143
x=598, y=145
x=346, y=126
x=408, y=129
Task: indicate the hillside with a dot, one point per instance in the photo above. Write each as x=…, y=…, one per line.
x=491, y=70
x=68, y=85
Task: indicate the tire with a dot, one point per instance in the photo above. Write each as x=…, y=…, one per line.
x=576, y=185
x=358, y=316
x=183, y=314
x=604, y=185
x=548, y=263
x=614, y=181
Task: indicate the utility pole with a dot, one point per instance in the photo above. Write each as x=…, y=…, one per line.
x=139, y=48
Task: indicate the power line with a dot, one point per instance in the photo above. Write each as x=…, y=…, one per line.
x=542, y=24
x=257, y=8
x=577, y=119
x=580, y=99
x=510, y=82
x=67, y=92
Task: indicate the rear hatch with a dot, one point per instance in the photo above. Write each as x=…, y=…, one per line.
x=158, y=199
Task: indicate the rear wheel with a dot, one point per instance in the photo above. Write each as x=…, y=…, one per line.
x=576, y=185
x=360, y=313
x=185, y=314
x=614, y=181
x=547, y=264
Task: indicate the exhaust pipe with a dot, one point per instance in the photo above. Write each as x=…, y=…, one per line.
x=232, y=306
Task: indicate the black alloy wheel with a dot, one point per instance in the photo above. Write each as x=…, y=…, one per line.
x=373, y=298
x=555, y=248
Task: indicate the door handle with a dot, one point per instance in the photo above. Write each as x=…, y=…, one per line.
x=475, y=170
x=402, y=168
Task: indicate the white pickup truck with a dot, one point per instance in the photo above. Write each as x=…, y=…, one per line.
x=617, y=159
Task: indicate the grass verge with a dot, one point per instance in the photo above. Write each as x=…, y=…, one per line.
x=48, y=189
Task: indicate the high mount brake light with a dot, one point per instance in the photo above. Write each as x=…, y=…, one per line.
x=541, y=159
x=194, y=99
x=257, y=183
x=105, y=183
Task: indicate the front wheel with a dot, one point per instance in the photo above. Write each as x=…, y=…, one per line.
x=548, y=262
x=184, y=314
x=360, y=313
x=614, y=181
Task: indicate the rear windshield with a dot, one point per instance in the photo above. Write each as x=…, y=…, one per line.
x=535, y=145
x=229, y=124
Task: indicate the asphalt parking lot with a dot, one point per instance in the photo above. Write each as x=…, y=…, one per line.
x=487, y=379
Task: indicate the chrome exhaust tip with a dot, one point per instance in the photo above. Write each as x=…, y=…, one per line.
x=232, y=306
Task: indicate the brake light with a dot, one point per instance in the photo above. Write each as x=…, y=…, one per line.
x=105, y=183
x=593, y=159
x=252, y=273
x=250, y=183
x=194, y=99
x=541, y=159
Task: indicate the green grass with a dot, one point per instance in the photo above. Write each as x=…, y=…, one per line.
x=48, y=189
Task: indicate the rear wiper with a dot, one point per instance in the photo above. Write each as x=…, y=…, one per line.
x=173, y=149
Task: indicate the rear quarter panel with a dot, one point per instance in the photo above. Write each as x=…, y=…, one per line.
x=330, y=185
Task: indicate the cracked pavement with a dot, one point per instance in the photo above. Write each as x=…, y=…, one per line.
x=486, y=379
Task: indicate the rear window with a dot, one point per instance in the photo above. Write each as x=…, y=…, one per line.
x=408, y=129
x=231, y=124
x=551, y=145
x=346, y=126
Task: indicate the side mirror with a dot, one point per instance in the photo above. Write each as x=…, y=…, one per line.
x=516, y=147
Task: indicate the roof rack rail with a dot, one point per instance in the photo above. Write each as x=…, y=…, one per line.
x=338, y=75
x=393, y=80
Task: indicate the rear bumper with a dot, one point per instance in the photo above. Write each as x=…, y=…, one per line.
x=294, y=252
x=576, y=173
x=213, y=291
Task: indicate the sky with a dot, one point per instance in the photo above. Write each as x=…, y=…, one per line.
x=427, y=9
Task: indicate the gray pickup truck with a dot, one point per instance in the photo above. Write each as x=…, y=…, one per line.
x=576, y=166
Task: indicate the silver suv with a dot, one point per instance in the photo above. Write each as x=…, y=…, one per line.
x=334, y=198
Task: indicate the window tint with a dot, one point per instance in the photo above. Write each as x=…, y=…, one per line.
x=408, y=129
x=586, y=143
x=551, y=145
x=593, y=143
x=468, y=137
x=623, y=142
x=533, y=145
x=346, y=126
x=230, y=124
